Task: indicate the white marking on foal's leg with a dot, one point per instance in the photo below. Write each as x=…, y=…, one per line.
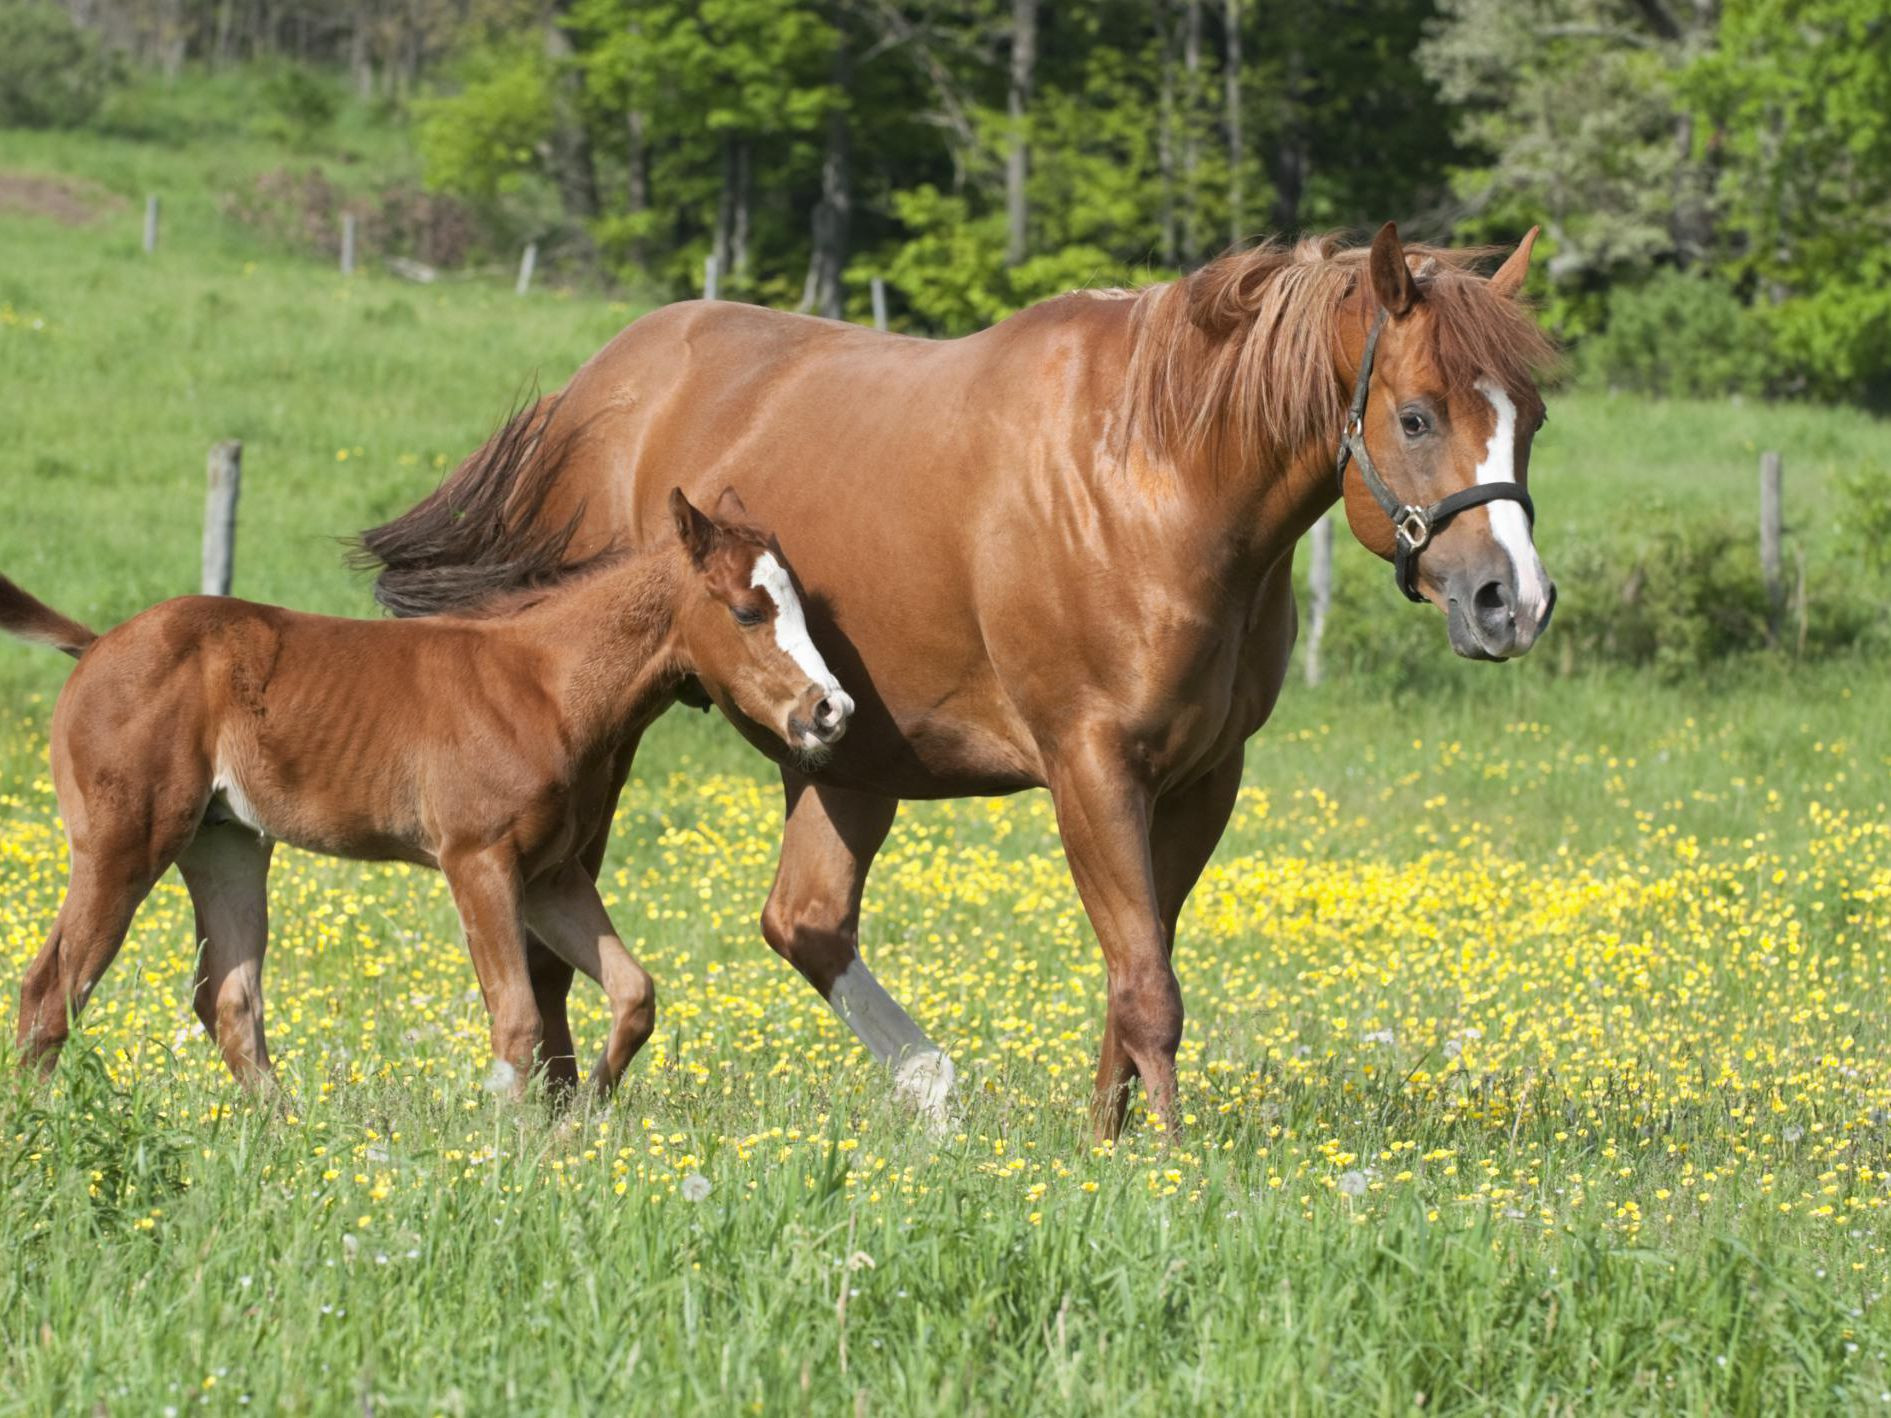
x=791, y=629
x=922, y=1073
x=1507, y=522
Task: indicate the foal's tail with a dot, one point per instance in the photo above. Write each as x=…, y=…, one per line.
x=33, y=620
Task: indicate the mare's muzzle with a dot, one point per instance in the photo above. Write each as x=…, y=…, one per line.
x=1484, y=619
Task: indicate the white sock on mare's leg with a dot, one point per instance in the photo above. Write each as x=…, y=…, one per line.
x=921, y=1071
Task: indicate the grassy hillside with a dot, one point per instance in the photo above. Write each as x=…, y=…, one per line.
x=1538, y=1055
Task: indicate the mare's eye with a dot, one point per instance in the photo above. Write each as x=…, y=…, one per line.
x=746, y=615
x=1415, y=424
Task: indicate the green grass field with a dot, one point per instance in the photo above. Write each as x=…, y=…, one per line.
x=1538, y=1055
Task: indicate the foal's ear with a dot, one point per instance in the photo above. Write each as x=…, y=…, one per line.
x=1509, y=278
x=1392, y=281
x=696, y=532
x=729, y=507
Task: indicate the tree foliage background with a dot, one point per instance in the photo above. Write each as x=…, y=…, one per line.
x=1713, y=176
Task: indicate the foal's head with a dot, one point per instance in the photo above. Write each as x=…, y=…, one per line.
x=742, y=629
x=1451, y=407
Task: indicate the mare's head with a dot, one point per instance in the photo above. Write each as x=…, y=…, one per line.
x=740, y=623
x=1450, y=409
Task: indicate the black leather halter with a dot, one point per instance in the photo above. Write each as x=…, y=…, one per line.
x=1414, y=525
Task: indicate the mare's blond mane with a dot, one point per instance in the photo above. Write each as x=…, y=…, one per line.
x=1242, y=354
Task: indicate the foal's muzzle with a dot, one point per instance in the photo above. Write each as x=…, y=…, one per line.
x=1484, y=619
x=821, y=718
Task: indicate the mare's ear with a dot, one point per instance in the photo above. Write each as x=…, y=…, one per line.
x=696, y=532
x=729, y=506
x=1392, y=282
x=1509, y=278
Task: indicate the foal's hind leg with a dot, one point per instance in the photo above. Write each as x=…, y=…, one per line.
x=101, y=897
x=227, y=871
x=565, y=912
x=551, y=972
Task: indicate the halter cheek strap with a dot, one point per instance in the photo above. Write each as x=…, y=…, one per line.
x=1413, y=526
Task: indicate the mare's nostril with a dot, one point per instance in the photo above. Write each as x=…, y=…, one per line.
x=1494, y=605
x=826, y=714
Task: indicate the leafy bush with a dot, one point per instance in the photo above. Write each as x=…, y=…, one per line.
x=52, y=74
x=1682, y=336
x=1865, y=517
x=302, y=106
x=1678, y=602
x=952, y=274
x=304, y=210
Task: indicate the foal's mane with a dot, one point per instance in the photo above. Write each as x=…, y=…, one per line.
x=1241, y=354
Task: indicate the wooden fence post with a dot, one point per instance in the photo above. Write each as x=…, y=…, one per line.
x=879, y=303
x=151, y=223
x=528, y=263
x=710, y=280
x=1320, y=582
x=225, y=477
x=1771, y=528
x=347, y=243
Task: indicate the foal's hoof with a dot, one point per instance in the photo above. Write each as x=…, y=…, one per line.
x=505, y=1081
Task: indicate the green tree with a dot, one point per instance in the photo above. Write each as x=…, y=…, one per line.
x=1571, y=110
x=52, y=73
x=1797, y=105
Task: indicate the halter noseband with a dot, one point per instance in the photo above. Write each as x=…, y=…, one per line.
x=1414, y=526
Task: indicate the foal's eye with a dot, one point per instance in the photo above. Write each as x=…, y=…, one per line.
x=746, y=615
x=1415, y=424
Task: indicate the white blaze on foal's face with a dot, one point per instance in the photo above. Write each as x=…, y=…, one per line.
x=1508, y=525
x=791, y=634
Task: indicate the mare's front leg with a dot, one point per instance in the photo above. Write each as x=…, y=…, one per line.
x=812, y=920
x=566, y=914
x=1184, y=826
x=1104, y=815
x=486, y=889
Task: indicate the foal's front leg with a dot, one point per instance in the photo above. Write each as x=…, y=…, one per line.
x=227, y=871
x=485, y=886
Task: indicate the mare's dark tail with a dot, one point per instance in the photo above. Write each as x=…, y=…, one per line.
x=483, y=530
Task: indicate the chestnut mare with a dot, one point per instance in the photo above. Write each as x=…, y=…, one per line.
x=489, y=745
x=1082, y=523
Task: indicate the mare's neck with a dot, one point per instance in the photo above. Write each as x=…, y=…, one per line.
x=616, y=661
x=1273, y=493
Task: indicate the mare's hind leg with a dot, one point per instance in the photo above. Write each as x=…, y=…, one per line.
x=102, y=895
x=565, y=912
x=227, y=871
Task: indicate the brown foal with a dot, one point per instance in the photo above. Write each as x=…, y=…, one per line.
x=491, y=744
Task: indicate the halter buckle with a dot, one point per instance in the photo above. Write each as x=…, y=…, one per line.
x=1414, y=527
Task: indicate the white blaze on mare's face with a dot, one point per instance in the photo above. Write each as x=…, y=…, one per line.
x=921, y=1071
x=791, y=628
x=1507, y=522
